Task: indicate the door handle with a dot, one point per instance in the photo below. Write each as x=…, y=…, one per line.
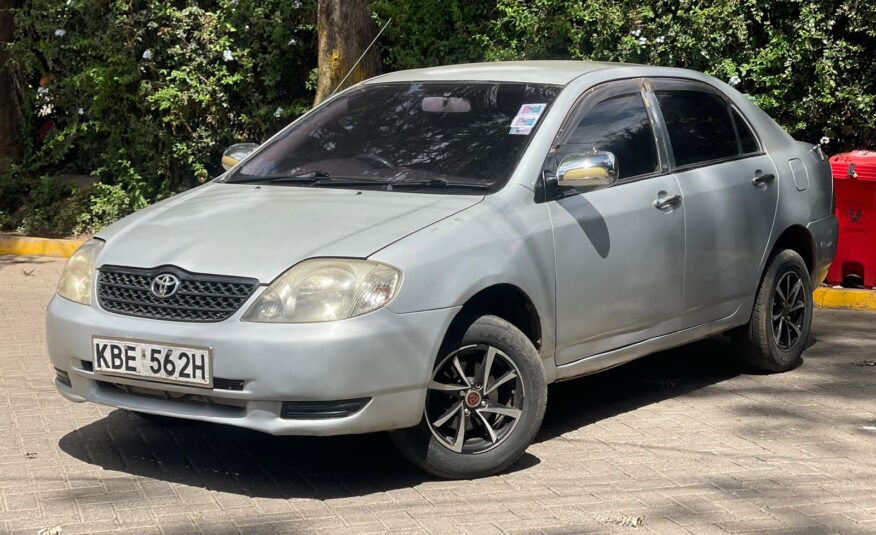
x=761, y=180
x=670, y=201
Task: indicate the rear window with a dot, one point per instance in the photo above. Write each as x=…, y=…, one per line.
x=746, y=136
x=699, y=125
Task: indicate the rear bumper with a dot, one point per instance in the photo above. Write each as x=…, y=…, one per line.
x=382, y=356
x=824, y=235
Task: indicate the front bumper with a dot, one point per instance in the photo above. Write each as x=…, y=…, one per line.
x=383, y=356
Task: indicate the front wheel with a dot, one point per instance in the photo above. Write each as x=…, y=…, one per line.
x=484, y=404
x=778, y=331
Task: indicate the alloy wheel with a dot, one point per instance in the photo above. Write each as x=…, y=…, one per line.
x=475, y=399
x=788, y=311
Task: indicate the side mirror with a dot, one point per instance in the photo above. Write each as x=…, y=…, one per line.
x=594, y=169
x=235, y=153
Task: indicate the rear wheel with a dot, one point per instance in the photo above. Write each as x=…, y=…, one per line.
x=779, y=328
x=484, y=404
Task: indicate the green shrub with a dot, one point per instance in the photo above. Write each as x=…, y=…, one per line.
x=144, y=94
x=811, y=64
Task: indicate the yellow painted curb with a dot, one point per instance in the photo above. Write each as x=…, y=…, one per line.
x=845, y=298
x=26, y=246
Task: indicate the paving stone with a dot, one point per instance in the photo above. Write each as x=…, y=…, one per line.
x=685, y=439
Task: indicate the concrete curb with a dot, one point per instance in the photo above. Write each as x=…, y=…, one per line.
x=845, y=298
x=27, y=246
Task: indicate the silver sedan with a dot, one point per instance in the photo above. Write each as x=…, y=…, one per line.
x=425, y=252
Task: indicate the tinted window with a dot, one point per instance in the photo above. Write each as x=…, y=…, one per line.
x=620, y=125
x=699, y=125
x=746, y=136
x=464, y=132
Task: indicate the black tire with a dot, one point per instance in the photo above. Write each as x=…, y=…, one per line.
x=758, y=342
x=422, y=447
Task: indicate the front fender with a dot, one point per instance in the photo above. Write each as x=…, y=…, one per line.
x=507, y=239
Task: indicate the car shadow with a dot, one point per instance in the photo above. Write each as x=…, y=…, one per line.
x=585, y=401
x=255, y=464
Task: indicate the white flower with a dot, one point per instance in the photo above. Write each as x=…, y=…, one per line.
x=42, y=90
x=643, y=41
x=227, y=55
x=278, y=112
x=60, y=32
x=147, y=55
x=824, y=140
x=660, y=39
x=81, y=111
x=734, y=80
x=637, y=32
x=291, y=42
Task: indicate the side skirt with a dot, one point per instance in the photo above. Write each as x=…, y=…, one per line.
x=616, y=357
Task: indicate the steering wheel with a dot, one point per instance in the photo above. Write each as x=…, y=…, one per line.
x=375, y=158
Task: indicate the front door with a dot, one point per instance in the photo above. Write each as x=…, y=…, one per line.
x=730, y=190
x=619, y=249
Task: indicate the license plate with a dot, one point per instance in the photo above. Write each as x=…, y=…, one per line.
x=152, y=361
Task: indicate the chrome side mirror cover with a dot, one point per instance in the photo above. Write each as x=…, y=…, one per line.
x=592, y=169
x=235, y=153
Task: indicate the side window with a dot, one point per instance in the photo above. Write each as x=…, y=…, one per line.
x=618, y=124
x=699, y=125
x=746, y=136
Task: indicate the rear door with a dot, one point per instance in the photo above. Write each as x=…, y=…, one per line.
x=730, y=190
x=619, y=249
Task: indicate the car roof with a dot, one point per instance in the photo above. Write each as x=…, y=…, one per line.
x=557, y=72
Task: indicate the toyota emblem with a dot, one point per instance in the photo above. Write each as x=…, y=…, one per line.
x=164, y=285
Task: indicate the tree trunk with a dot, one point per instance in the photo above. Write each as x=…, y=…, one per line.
x=344, y=29
x=9, y=115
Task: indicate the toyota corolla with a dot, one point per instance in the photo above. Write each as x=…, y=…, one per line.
x=426, y=251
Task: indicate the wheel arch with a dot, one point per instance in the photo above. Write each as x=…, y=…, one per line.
x=506, y=301
x=798, y=239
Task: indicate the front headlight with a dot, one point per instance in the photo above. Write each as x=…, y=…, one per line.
x=75, y=283
x=326, y=289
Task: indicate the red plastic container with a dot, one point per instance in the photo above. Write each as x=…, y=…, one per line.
x=854, y=182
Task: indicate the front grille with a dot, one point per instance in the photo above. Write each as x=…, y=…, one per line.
x=199, y=298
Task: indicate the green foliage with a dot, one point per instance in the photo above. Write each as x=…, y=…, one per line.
x=811, y=64
x=143, y=95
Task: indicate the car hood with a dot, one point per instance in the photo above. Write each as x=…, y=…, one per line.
x=260, y=231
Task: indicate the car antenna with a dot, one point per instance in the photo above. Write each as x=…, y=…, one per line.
x=376, y=37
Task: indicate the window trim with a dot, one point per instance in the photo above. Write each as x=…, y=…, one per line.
x=694, y=85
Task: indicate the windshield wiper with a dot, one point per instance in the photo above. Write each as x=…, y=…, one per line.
x=303, y=178
x=439, y=183
x=322, y=178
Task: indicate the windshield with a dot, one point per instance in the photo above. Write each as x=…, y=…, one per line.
x=443, y=134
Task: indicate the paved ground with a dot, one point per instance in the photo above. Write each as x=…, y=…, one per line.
x=684, y=440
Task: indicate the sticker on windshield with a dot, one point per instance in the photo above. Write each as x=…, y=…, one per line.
x=525, y=120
